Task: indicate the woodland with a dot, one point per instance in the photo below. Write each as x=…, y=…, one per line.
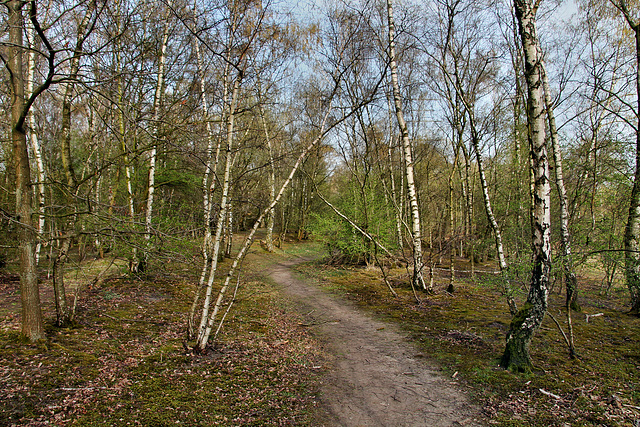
x=431, y=160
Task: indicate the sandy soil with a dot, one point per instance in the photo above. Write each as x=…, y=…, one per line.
x=376, y=377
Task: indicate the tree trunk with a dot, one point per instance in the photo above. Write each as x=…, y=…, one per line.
x=272, y=183
x=32, y=324
x=203, y=339
x=468, y=200
x=494, y=224
x=209, y=181
x=157, y=103
x=133, y=261
x=570, y=280
x=394, y=198
x=452, y=269
x=63, y=316
x=35, y=144
x=205, y=329
x=528, y=319
x=632, y=229
x=418, y=279
x=228, y=231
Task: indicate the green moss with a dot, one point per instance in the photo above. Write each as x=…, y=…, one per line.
x=125, y=363
x=608, y=349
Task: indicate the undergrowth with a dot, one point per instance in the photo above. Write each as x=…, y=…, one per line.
x=123, y=363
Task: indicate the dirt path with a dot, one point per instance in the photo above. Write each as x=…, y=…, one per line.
x=377, y=377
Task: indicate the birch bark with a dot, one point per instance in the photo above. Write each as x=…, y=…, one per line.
x=34, y=142
x=528, y=319
x=272, y=183
x=492, y=220
x=209, y=180
x=204, y=330
x=157, y=103
x=418, y=265
x=133, y=262
x=204, y=338
x=570, y=280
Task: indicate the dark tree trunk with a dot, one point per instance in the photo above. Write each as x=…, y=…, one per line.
x=32, y=325
x=632, y=229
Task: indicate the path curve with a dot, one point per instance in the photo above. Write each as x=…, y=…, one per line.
x=377, y=377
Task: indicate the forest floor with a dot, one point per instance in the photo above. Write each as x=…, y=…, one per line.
x=377, y=378
x=311, y=344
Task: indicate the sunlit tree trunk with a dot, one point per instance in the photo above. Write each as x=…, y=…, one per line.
x=394, y=198
x=502, y=261
x=204, y=330
x=228, y=229
x=467, y=190
x=524, y=324
x=571, y=283
x=133, y=262
x=452, y=268
x=204, y=338
x=418, y=265
x=209, y=180
x=272, y=183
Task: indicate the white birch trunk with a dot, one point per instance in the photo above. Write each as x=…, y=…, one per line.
x=204, y=338
x=528, y=319
x=209, y=180
x=394, y=198
x=494, y=224
x=565, y=238
x=122, y=136
x=418, y=279
x=35, y=143
x=272, y=184
x=205, y=329
x=157, y=102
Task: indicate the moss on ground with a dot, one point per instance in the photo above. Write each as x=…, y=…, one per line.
x=464, y=333
x=124, y=362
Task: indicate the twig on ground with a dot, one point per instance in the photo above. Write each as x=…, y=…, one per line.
x=546, y=393
x=590, y=316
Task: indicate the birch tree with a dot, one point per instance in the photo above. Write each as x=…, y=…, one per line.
x=63, y=314
x=157, y=103
x=528, y=319
x=416, y=236
x=34, y=141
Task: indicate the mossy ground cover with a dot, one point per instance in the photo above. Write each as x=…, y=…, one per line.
x=123, y=362
x=464, y=334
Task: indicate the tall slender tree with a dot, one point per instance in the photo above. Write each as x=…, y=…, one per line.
x=528, y=319
x=416, y=234
x=632, y=228
x=32, y=323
